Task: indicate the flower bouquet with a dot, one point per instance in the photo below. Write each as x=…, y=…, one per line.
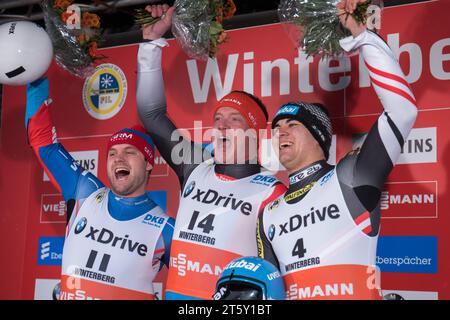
x=75, y=36
x=318, y=25
x=197, y=25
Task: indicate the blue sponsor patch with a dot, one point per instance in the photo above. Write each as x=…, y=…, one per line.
x=154, y=221
x=289, y=109
x=264, y=180
x=50, y=251
x=415, y=254
x=326, y=177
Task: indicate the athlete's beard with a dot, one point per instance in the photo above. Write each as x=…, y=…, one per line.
x=133, y=186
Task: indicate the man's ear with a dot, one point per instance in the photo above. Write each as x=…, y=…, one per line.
x=148, y=167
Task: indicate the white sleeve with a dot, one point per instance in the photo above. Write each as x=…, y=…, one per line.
x=391, y=88
x=150, y=85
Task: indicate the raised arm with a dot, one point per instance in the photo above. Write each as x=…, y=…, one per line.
x=66, y=175
x=151, y=102
x=366, y=170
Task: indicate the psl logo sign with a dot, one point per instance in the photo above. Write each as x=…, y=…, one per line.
x=104, y=93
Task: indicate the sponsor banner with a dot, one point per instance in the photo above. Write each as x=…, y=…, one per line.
x=194, y=270
x=414, y=199
x=277, y=74
x=88, y=160
x=336, y=282
x=46, y=289
x=50, y=251
x=74, y=288
x=160, y=167
x=53, y=209
x=409, y=295
x=408, y=254
x=420, y=146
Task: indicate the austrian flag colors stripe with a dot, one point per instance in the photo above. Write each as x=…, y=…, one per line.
x=401, y=82
x=364, y=222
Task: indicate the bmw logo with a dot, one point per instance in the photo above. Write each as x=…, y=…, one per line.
x=271, y=232
x=81, y=225
x=274, y=204
x=189, y=189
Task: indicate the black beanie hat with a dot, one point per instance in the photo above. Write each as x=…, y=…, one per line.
x=314, y=116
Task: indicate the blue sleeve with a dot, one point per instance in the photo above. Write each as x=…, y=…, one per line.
x=74, y=181
x=62, y=169
x=167, y=235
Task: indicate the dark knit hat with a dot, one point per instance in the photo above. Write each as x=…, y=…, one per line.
x=314, y=116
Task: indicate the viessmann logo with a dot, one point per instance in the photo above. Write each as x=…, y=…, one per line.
x=53, y=209
x=88, y=160
x=419, y=147
x=415, y=199
x=183, y=265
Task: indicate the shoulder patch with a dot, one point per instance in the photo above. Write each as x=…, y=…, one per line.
x=264, y=180
x=326, y=177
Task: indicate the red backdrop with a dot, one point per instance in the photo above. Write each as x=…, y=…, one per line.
x=264, y=61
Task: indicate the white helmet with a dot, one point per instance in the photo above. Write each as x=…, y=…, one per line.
x=26, y=52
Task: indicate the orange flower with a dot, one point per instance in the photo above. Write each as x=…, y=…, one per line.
x=90, y=20
x=229, y=9
x=222, y=37
x=219, y=15
x=93, y=49
x=83, y=39
x=62, y=4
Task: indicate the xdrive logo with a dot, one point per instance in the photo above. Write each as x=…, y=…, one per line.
x=213, y=197
x=107, y=237
x=50, y=251
x=297, y=221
